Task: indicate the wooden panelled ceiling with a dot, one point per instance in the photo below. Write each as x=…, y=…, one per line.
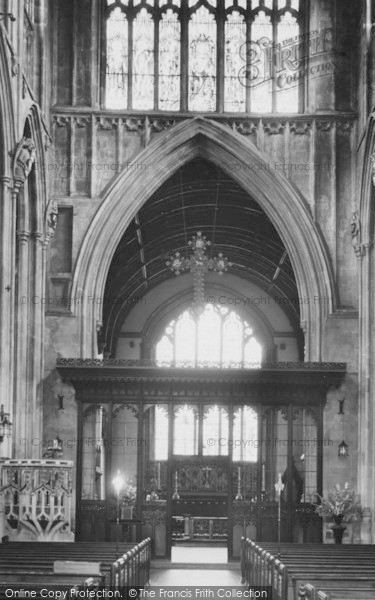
x=199, y=197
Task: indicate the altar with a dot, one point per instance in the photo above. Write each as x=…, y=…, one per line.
x=199, y=529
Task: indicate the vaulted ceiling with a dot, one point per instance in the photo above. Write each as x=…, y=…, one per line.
x=199, y=196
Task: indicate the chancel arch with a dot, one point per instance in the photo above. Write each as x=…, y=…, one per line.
x=280, y=200
x=199, y=264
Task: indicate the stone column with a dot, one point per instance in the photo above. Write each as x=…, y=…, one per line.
x=37, y=290
x=22, y=424
x=7, y=278
x=365, y=417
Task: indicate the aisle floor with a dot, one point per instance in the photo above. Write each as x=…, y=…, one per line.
x=199, y=554
x=195, y=577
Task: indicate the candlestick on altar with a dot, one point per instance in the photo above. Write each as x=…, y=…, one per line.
x=158, y=475
x=239, y=495
x=176, y=495
x=279, y=486
x=303, y=461
x=263, y=477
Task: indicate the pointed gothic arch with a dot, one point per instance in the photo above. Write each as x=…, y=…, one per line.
x=278, y=197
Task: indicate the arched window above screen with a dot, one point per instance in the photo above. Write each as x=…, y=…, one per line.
x=218, y=337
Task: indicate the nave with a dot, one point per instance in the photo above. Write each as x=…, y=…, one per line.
x=278, y=571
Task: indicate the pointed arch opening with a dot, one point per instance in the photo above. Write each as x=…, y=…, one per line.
x=281, y=202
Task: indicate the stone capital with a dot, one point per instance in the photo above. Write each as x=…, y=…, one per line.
x=5, y=181
x=23, y=236
x=18, y=185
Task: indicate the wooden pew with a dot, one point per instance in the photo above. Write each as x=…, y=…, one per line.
x=33, y=563
x=296, y=564
x=310, y=592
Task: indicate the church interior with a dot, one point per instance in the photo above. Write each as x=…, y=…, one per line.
x=187, y=296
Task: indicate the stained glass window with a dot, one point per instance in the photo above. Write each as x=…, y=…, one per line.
x=174, y=55
x=169, y=62
x=202, y=61
x=260, y=59
x=117, y=60
x=235, y=41
x=288, y=76
x=143, y=61
x=216, y=338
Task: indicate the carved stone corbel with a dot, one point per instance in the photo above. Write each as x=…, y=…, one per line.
x=52, y=213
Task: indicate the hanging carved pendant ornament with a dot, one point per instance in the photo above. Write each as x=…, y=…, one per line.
x=198, y=263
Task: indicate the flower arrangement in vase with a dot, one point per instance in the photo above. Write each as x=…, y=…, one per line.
x=340, y=506
x=128, y=498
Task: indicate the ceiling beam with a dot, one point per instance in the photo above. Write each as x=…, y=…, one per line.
x=141, y=248
x=278, y=269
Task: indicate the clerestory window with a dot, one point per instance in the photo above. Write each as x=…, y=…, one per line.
x=204, y=56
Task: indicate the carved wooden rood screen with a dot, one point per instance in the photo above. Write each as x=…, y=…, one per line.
x=198, y=450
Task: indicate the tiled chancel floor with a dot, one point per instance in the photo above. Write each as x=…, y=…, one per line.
x=195, y=574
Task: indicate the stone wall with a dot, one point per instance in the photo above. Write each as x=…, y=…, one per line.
x=92, y=148
x=314, y=151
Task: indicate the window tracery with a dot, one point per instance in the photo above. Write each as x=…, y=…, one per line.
x=201, y=56
x=218, y=338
